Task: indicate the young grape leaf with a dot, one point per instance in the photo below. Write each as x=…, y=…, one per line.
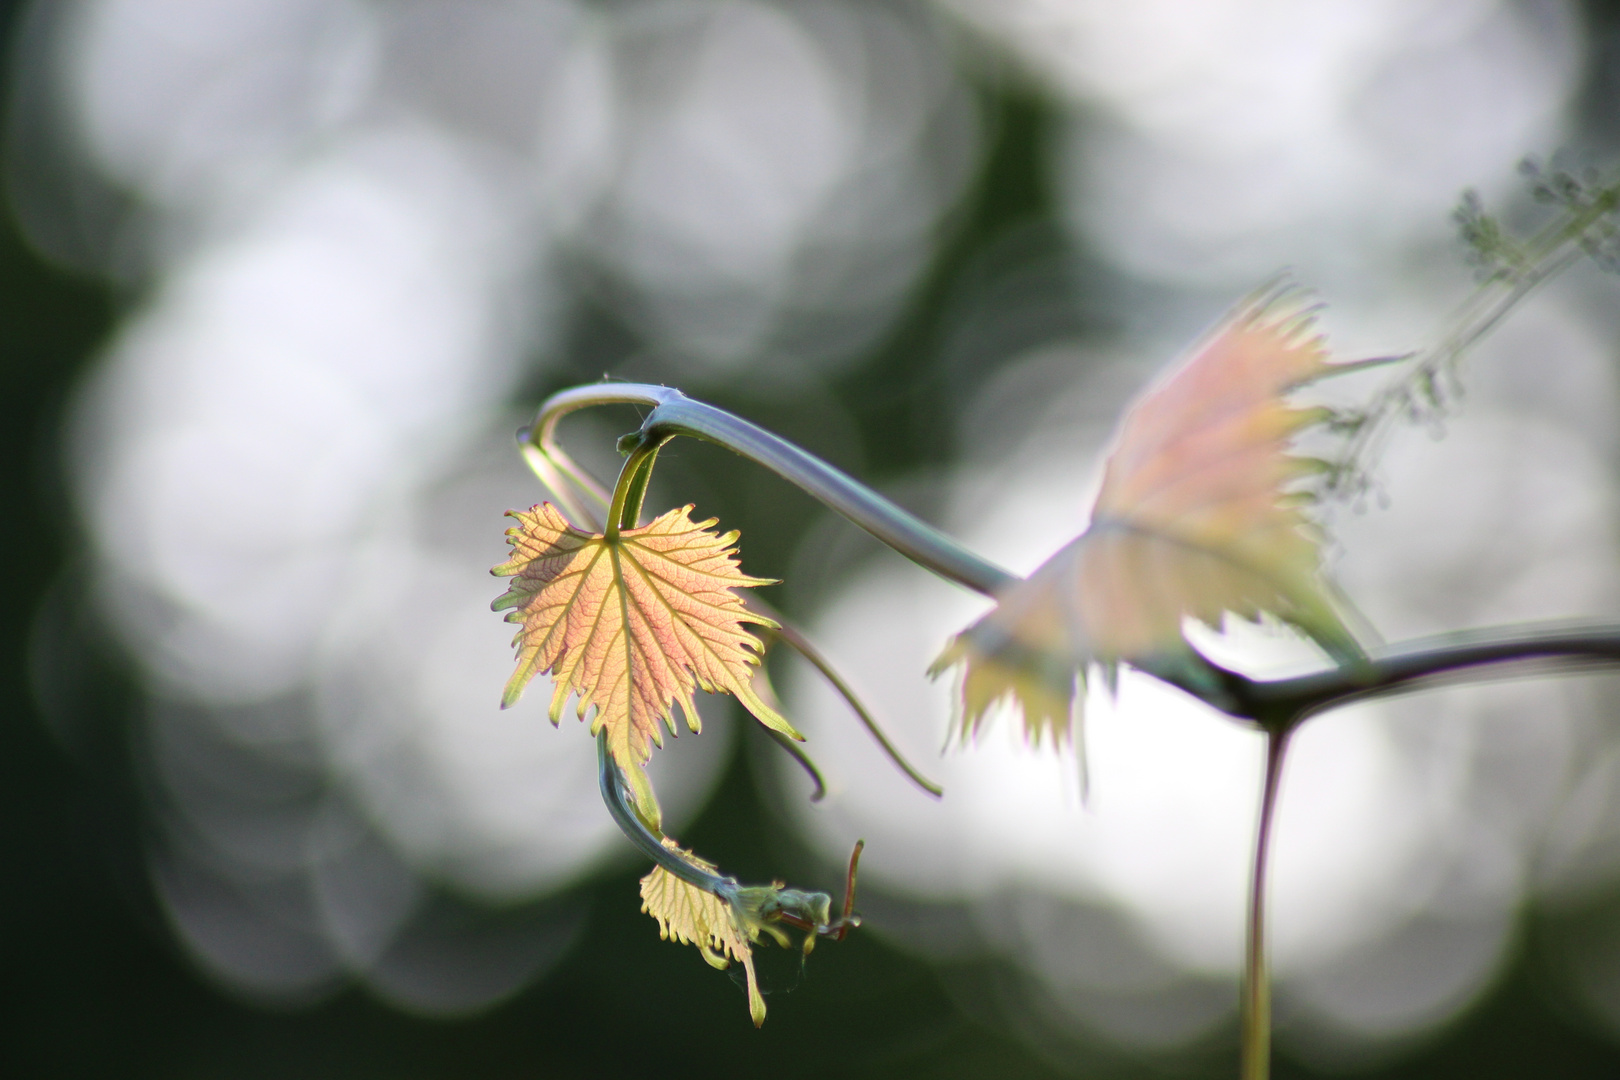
x=1200, y=516
x=726, y=919
x=632, y=625
x=688, y=915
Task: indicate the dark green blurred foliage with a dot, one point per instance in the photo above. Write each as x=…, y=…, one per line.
x=94, y=985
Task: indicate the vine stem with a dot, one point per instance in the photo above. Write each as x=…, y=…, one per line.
x=805, y=648
x=676, y=414
x=648, y=838
x=1256, y=1049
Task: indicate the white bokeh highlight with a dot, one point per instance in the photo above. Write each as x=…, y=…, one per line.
x=1219, y=141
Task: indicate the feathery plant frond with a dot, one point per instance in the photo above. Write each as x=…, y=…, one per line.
x=1509, y=267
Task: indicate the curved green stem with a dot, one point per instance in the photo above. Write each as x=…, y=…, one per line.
x=1256, y=1047
x=648, y=840
x=624, y=511
x=802, y=758
x=802, y=645
x=1280, y=706
x=754, y=907
x=676, y=414
x=1283, y=704
x=545, y=455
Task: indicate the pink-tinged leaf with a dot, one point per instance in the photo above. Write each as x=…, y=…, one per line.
x=1201, y=515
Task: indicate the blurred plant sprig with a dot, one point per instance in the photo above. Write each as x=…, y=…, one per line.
x=1585, y=223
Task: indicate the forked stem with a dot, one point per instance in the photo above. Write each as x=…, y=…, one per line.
x=1256, y=1050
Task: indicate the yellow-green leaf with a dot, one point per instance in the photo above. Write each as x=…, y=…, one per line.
x=632, y=626
x=689, y=915
x=1200, y=515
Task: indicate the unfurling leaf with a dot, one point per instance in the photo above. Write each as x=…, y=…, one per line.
x=632, y=625
x=688, y=915
x=726, y=920
x=1200, y=515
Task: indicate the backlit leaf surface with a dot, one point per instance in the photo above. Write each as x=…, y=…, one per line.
x=633, y=626
x=689, y=915
x=1200, y=514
